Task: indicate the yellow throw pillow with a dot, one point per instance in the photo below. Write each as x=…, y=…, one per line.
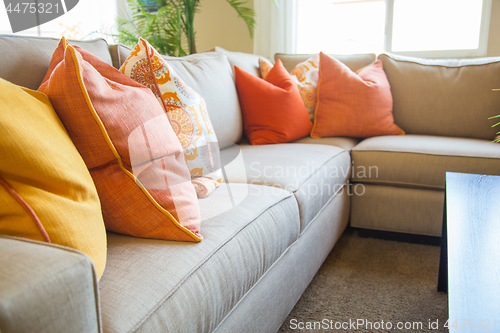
x=46, y=191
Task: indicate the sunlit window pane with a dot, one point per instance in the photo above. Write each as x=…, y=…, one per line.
x=341, y=27
x=428, y=25
x=76, y=23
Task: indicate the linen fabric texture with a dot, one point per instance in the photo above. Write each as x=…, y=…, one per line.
x=46, y=191
x=129, y=147
x=305, y=74
x=186, y=110
x=357, y=105
x=272, y=109
x=47, y=288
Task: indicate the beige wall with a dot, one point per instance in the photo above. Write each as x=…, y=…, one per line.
x=218, y=24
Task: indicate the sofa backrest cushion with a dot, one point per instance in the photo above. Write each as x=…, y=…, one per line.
x=25, y=59
x=245, y=61
x=119, y=53
x=211, y=75
x=447, y=97
x=353, y=61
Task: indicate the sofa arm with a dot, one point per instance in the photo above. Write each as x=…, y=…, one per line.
x=46, y=288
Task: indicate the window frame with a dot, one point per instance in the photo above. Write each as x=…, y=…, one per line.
x=481, y=51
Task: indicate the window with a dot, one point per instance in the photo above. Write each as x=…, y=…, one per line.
x=426, y=28
x=455, y=28
x=89, y=19
x=340, y=27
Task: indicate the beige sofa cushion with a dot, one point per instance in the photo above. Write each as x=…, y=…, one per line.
x=246, y=61
x=353, y=61
x=421, y=161
x=313, y=173
x=25, y=59
x=119, y=53
x=444, y=97
x=160, y=286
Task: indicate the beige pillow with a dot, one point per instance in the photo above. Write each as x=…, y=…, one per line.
x=447, y=97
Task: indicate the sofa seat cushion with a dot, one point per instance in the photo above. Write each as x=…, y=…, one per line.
x=313, y=173
x=337, y=141
x=421, y=161
x=163, y=286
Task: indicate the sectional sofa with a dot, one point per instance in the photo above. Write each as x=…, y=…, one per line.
x=282, y=207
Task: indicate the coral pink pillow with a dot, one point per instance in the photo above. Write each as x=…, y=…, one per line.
x=273, y=111
x=353, y=105
x=186, y=110
x=128, y=145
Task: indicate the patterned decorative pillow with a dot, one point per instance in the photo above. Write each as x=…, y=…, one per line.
x=186, y=110
x=265, y=67
x=305, y=74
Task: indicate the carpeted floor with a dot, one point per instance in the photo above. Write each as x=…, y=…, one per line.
x=373, y=280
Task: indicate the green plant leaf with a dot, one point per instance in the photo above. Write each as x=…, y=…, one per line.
x=160, y=25
x=168, y=25
x=498, y=116
x=246, y=13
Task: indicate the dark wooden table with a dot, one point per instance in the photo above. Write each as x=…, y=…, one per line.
x=471, y=252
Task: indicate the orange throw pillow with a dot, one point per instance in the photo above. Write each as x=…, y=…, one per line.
x=273, y=111
x=353, y=105
x=128, y=145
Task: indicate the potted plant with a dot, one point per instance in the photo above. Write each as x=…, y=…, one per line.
x=168, y=25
